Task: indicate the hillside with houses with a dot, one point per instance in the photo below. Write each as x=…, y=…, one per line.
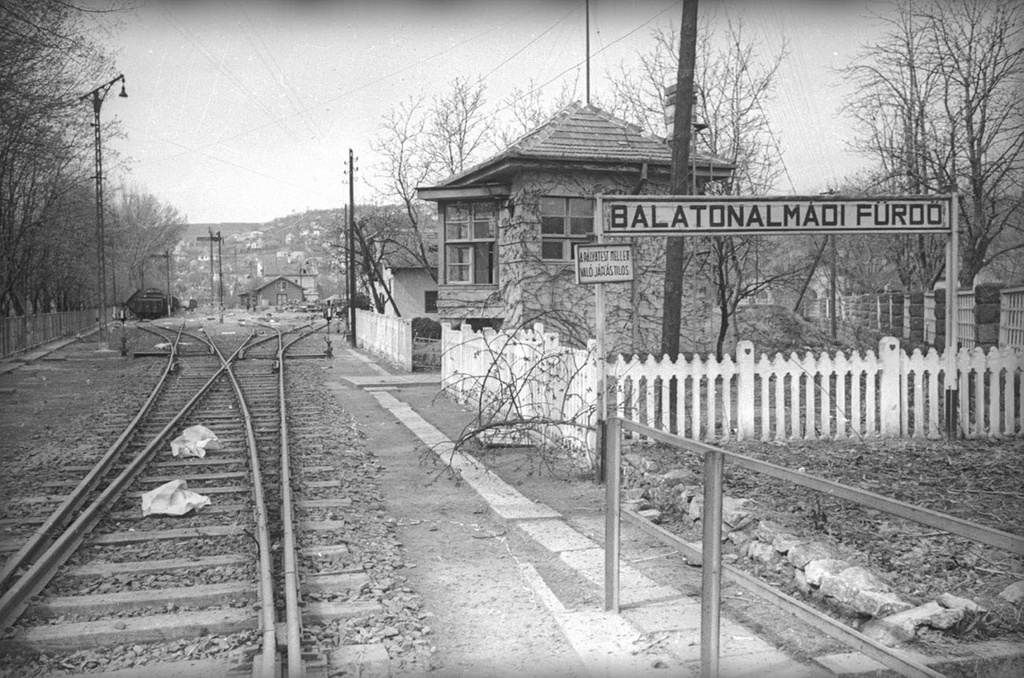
x=303, y=248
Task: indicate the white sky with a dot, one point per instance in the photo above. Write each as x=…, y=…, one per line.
x=240, y=110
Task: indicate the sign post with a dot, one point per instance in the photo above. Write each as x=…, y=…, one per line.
x=628, y=216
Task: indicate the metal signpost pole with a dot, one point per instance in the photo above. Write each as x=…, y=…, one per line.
x=952, y=310
x=607, y=437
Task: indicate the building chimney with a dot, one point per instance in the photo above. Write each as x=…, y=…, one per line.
x=670, y=112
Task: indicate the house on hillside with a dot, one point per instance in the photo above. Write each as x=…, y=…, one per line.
x=509, y=225
x=411, y=286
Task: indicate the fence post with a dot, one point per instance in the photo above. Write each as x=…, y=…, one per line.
x=941, y=309
x=891, y=387
x=711, y=563
x=915, y=317
x=744, y=390
x=987, y=299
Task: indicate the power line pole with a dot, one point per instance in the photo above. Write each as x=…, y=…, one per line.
x=167, y=261
x=213, y=290
x=675, y=249
x=220, y=274
x=588, y=50
x=351, y=250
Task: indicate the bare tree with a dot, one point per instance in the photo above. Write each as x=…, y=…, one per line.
x=142, y=227
x=732, y=84
x=457, y=129
x=421, y=143
x=939, y=108
x=407, y=163
x=525, y=109
x=46, y=64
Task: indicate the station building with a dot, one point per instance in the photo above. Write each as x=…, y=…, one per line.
x=510, y=223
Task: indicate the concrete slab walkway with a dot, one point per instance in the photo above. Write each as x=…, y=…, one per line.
x=605, y=643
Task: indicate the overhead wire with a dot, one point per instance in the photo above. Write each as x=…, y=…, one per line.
x=221, y=68
x=527, y=45
x=276, y=73
x=606, y=47
x=224, y=161
x=352, y=90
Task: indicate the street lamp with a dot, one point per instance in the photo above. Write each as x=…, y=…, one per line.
x=97, y=96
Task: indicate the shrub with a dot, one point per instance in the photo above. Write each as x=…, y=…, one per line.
x=426, y=328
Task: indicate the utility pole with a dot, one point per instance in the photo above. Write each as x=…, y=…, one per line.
x=675, y=251
x=213, y=291
x=167, y=261
x=351, y=250
x=587, y=10
x=220, y=274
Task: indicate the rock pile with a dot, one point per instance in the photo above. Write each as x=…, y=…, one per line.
x=818, y=569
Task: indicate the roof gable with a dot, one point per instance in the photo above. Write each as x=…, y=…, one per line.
x=280, y=278
x=579, y=133
x=587, y=132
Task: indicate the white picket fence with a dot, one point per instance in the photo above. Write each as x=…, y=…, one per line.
x=887, y=393
x=388, y=337
x=526, y=376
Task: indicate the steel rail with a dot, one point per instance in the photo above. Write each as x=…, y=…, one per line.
x=42, y=537
x=268, y=614
x=16, y=599
x=947, y=523
x=787, y=603
x=293, y=617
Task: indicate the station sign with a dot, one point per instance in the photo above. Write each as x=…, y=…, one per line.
x=603, y=263
x=728, y=215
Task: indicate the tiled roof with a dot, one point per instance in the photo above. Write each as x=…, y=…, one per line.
x=585, y=132
x=582, y=133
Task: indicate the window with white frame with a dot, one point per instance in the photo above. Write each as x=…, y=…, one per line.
x=471, y=233
x=563, y=223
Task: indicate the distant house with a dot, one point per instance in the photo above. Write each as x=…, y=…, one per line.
x=279, y=291
x=509, y=226
x=411, y=286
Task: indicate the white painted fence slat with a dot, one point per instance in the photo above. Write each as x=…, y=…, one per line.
x=805, y=397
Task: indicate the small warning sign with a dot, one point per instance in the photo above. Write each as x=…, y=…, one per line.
x=603, y=264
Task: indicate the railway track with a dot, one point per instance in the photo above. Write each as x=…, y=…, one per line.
x=258, y=572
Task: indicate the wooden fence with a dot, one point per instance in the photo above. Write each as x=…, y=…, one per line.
x=388, y=337
x=888, y=393
x=24, y=333
x=525, y=376
x=1011, y=320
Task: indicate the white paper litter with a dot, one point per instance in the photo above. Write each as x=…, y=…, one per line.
x=172, y=499
x=194, y=442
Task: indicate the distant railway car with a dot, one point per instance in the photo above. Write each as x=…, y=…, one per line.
x=151, y=304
